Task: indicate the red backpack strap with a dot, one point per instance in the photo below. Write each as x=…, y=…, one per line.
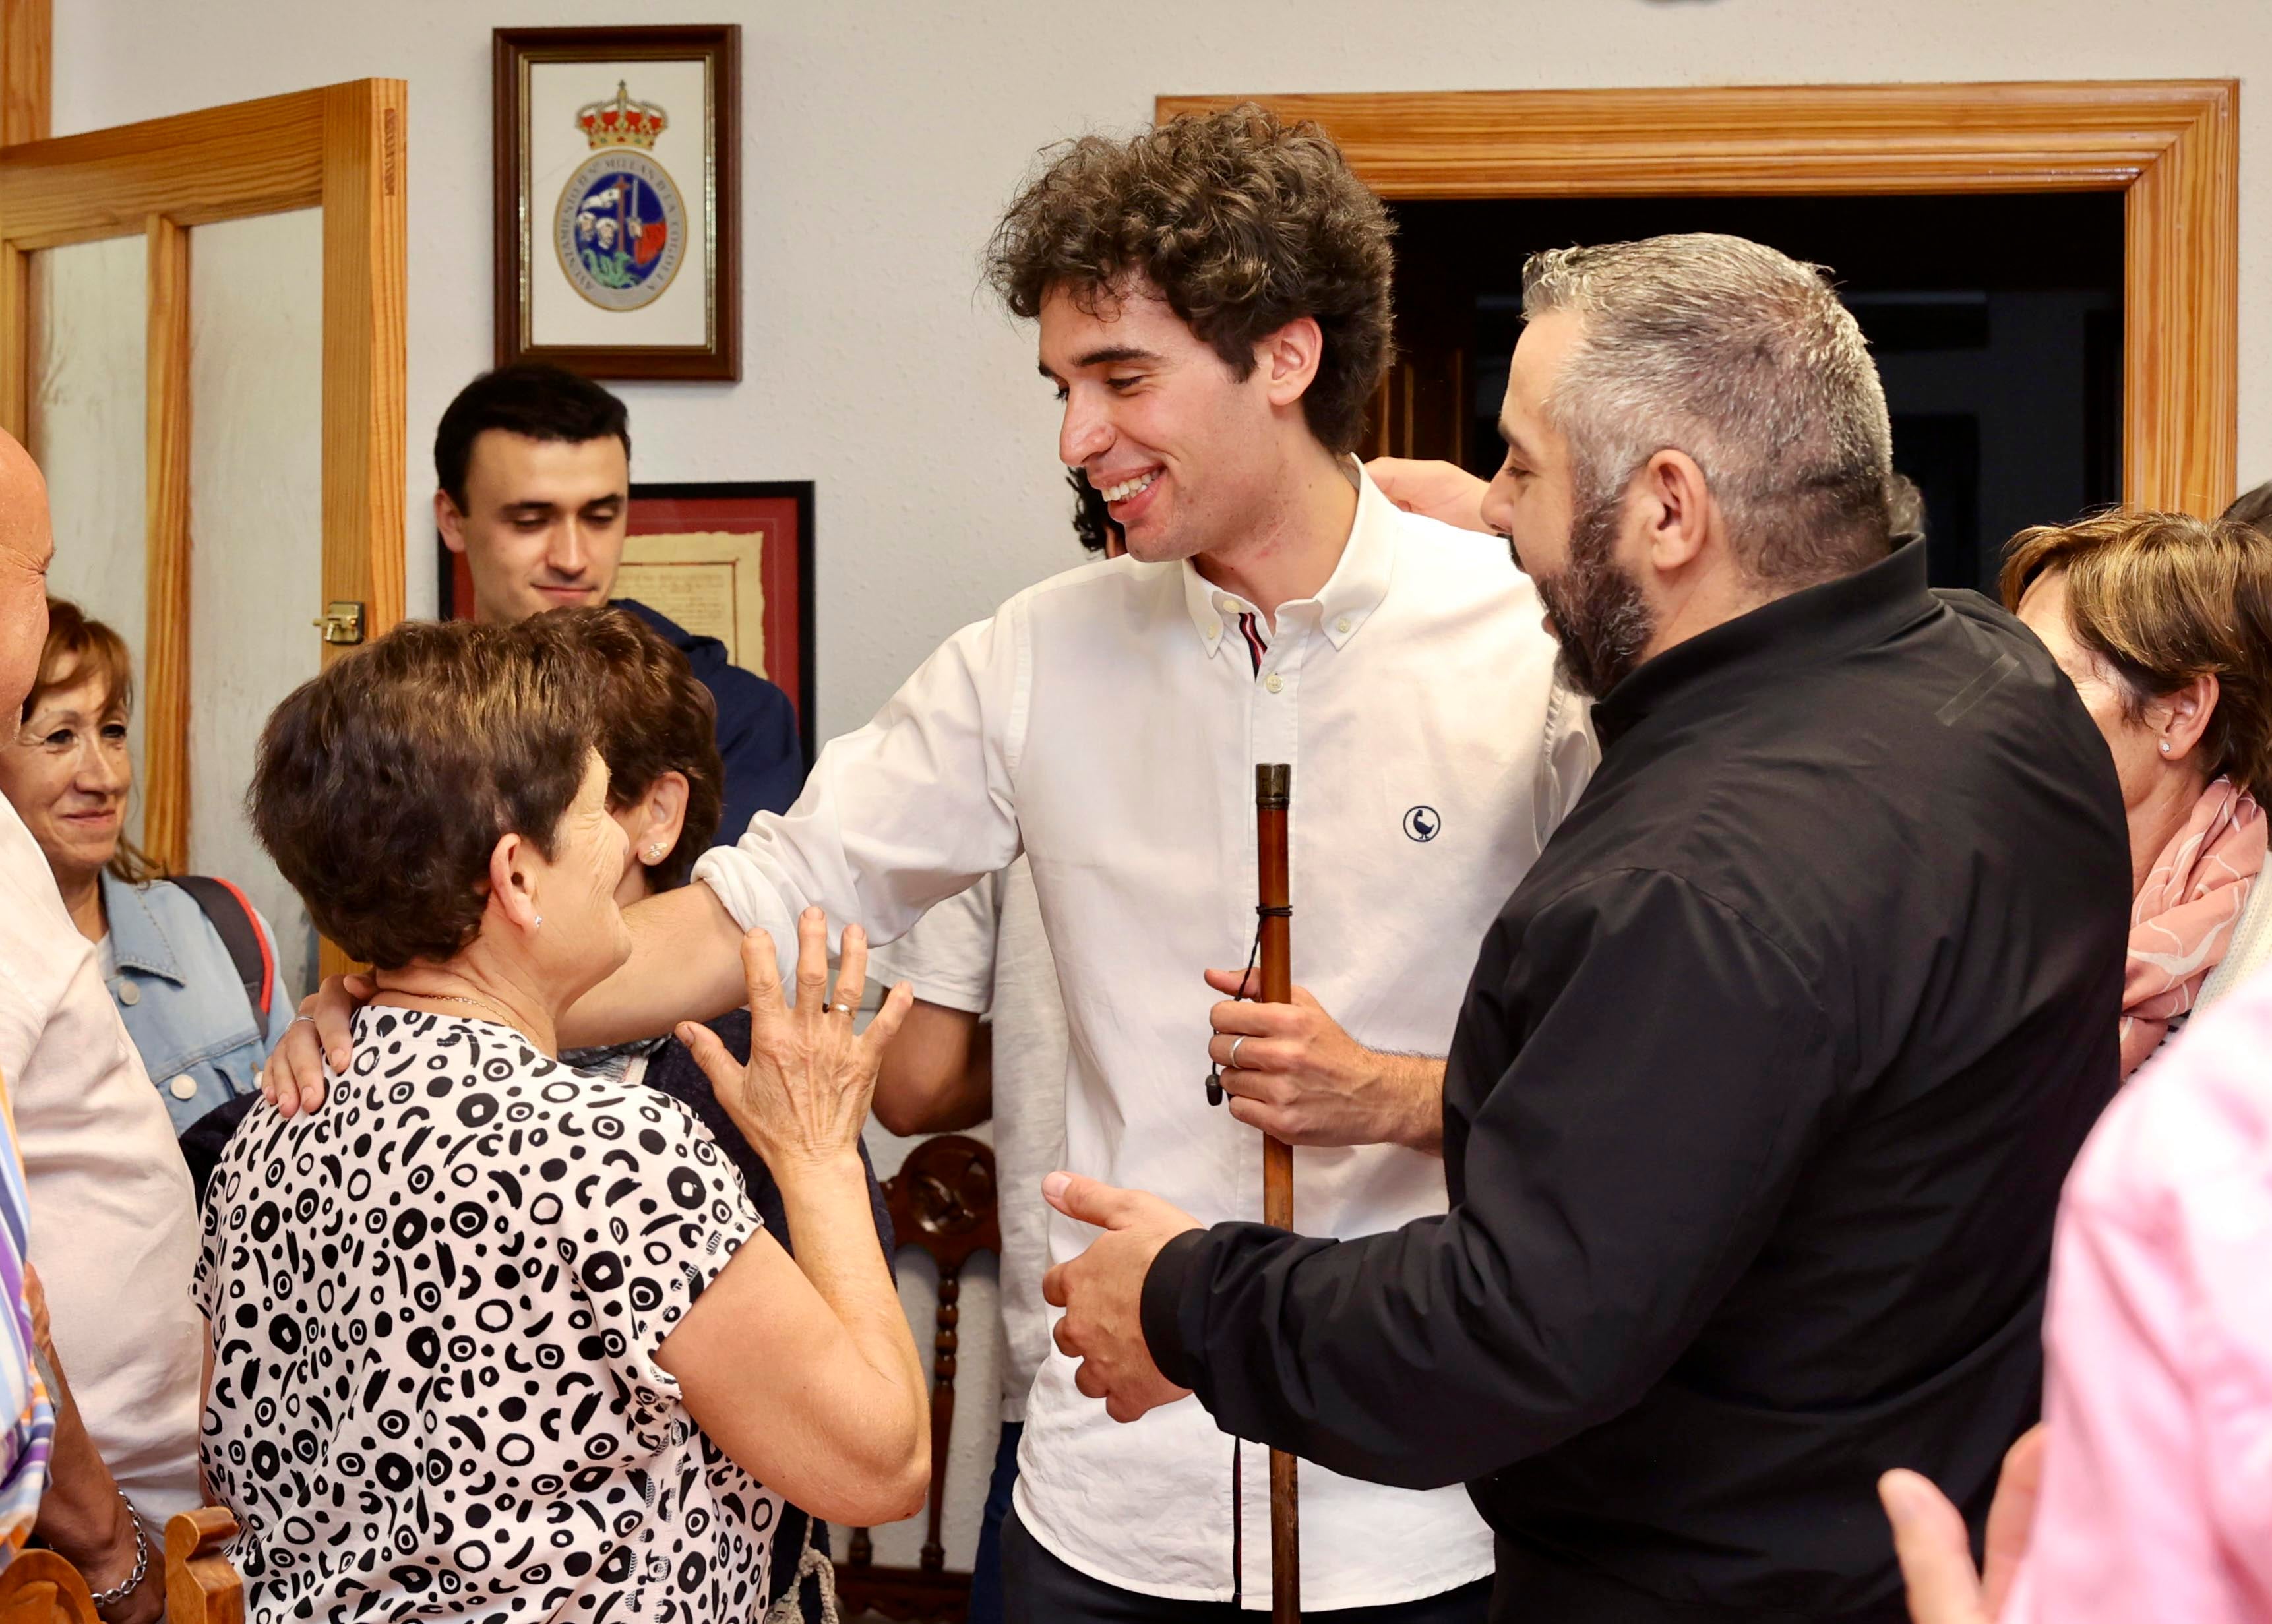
x=231, y=910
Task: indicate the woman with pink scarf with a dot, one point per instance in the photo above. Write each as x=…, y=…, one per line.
x=2164, y=624
x=2146, y=1494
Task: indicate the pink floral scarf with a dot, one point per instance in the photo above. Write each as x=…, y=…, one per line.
x=2184, y=918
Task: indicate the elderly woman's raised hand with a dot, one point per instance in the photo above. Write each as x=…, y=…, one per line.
x=802, y=1099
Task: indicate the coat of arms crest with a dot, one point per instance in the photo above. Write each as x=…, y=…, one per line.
x=620, y=227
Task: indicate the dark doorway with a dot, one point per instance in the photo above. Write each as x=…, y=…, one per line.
x=1997, y=323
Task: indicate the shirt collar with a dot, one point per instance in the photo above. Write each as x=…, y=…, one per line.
x=1355, y=590
x=1776, y=638
x=138, y=941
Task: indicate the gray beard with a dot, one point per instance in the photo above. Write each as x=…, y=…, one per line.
x=1600, y=619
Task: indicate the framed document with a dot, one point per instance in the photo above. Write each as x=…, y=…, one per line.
x=731, y=561
x=618, y=207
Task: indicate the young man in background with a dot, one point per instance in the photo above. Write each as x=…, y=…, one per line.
x=532, y=467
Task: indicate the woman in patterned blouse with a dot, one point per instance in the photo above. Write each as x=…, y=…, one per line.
x=491, y=1336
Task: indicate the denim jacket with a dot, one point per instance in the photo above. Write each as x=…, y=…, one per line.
x=177, y=990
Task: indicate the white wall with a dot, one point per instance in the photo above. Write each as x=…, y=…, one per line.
x=881, y=138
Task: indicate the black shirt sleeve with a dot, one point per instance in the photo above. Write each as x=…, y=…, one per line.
x=1641, y=1077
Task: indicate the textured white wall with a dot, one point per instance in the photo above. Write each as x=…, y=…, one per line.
x=881, y=138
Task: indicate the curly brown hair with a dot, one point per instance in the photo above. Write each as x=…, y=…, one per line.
x=1240, y=222
x=654, y=718
x=2164, y=599
x=382, y=787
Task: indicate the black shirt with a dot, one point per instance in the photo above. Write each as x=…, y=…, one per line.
x=1755, y=1124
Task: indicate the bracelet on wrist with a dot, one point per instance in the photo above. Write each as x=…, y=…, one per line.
x=112, y=1597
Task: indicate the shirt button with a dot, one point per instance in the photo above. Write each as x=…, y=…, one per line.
x=1228, y=605
x=1273, y=682
x=1342, y=624
x=1215, y=631
x=182, y=1087
x=129, y=994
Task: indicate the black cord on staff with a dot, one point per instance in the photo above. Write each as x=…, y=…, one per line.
x=1246, y=980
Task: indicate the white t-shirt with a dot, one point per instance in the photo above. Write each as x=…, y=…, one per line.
x=985, y=952
x=1107, y=724
x=436, y=1303
x=113, y=1222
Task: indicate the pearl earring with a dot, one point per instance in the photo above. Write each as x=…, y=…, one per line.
x=540, y=920
x=655, y=853
x=2165, y=747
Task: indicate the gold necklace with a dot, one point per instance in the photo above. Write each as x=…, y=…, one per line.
x=479, y=1003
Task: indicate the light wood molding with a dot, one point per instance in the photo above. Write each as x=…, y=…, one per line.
x=364, y=347
x=166, y=644
x=2171, y=145
x=223, y=163
x=16, y=343
x=27, y=29
x=365, y=324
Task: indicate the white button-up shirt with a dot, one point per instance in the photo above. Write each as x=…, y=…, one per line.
x=113, y=1223
x=1108, y=723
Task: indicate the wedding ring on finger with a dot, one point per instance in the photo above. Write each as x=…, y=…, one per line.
x=1233, y=1062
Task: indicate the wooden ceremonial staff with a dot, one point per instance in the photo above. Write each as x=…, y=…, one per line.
x=1274, y=793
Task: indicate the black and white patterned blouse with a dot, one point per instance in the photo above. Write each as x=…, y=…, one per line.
x=435, y=1305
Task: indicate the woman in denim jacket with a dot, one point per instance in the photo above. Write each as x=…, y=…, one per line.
x=67, y=773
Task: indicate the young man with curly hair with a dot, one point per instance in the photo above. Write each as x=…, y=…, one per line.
x=1213, y=304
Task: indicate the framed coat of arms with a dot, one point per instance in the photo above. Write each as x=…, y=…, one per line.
x=617, y=243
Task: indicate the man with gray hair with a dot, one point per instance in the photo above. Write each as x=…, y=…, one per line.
x=1770, y=1069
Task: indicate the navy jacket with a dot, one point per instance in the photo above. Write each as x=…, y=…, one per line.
x=757, y=735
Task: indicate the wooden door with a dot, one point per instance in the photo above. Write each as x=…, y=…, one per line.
x=338, y=151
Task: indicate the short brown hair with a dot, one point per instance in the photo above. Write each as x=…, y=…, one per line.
x=654, y=718
x=382, y=787
x=2164, y=599
x=75, y=646
x=1242, y=223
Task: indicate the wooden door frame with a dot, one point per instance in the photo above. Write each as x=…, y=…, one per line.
x=2171, y=147
x=339, y=148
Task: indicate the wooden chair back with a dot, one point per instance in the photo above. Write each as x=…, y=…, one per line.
x=38, y=1587
x=201, y=1585
x=943, y=1200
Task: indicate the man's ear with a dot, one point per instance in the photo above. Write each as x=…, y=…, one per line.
x=1676, y=511
x=450, y=522
x=513, y=889
x=1289, y=358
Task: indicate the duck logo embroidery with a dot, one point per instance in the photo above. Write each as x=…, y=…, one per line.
x=1423, y=825
x=620, y=227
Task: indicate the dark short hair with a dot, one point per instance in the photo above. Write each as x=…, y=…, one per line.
x=1093, y=524
x=654, y=718
x=1242, y=224
x=533, y=400
x=2253, y=508
x=382, y=787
